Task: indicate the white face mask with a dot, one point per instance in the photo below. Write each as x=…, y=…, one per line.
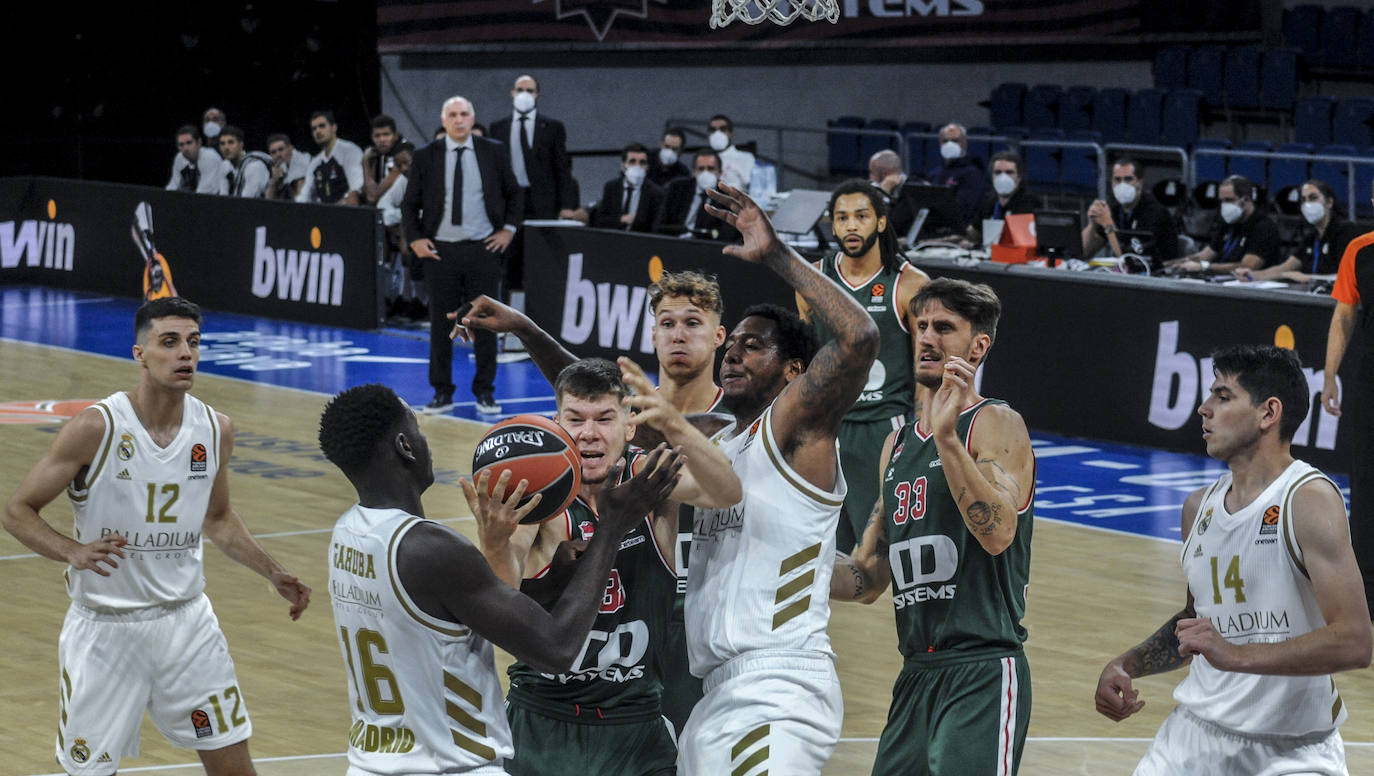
x=1003, y=183
x=706, y=180
x=719, y=140
x=1124, y=193
x=951, y=150
x=668, y=156
x=523, y=101
x=634, y=174
x=212, y=129
x=1313, y=212
x=1231, y=212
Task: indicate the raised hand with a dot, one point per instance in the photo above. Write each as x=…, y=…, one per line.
x=653, y=410
x=483, y=313
x=496, y=513
x=955, y=393
x=736, y=208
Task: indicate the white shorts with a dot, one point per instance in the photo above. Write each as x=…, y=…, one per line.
x=778, y=711
x=172, y=661
x=1187, y=745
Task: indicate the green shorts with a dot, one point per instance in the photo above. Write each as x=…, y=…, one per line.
x=545, y=745
x=861, y=447
x=681, y=690
x=958, y=719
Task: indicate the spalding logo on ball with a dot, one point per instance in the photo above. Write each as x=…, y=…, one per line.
x=536, y=449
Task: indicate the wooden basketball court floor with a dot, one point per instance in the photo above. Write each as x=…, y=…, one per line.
x=1094, y=592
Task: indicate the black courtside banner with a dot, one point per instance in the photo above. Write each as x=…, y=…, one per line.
x=311, y=263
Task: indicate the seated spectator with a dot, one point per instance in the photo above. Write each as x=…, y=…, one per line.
x=245, y=173
x=666, y=165
x=736, y=166
x=885, y=171
x=1246, y=237
x=1008, y=195
x=378, y=162
x=1321, y=244
x=1133, y=209
x=964, y=173
x=684, y=204
x=629, y=201
x=405, y=293
x=336, y=172
x=288, y=168
x=195, y=168
x=212, y=123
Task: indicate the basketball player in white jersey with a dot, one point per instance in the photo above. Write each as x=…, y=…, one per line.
x=757, y=590
x=1275, y=604
x=418, y=607
x=147, y=475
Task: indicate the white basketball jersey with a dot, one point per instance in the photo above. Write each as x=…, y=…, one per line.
x=424, y=691
x=1246, y=574
x=760, y=571
x=154, y=496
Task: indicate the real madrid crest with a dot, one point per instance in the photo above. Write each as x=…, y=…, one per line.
x=1206, y=521
x=126, y=447
x=80, y=752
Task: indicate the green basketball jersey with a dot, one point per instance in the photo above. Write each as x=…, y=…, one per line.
x=950, y=595
x=615, y=675
x=890, y=386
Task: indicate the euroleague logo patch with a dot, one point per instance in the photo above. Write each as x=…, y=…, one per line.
x=198, y=457
x=1269, y=524
x=879, y=291
x=42, y=411
x=201, y=722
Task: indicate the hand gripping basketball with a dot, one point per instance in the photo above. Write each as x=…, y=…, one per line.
x=537, y=450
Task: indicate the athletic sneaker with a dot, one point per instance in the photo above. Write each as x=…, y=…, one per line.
x=442, y=401
x=486, y=404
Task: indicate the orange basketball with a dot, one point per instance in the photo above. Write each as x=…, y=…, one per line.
x=536, y=449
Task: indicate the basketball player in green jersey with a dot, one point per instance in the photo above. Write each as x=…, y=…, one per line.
x=868, y=266
x=952, y=531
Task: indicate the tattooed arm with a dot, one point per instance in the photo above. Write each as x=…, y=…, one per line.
x=864, y=575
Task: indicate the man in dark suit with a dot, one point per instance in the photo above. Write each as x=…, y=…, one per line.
x=461, y=206
x=630, y=201
x=665, y=165
x=684, y=211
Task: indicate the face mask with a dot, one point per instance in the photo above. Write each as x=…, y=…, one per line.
x=634, y=175
x=1124, y=193
x=1231, y=212
x=211, y=129
x=1313, y=212
x=1003, y=183
x=523, y=101
x=719, y=140
x=706, y=180
x=950, y=150
x=668, y=156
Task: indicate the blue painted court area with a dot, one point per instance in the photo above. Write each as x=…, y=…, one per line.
x=1114, y=487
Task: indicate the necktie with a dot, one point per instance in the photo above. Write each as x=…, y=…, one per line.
x=457, y=214
x=694, y=217
x=629, y=195
x=525, y=143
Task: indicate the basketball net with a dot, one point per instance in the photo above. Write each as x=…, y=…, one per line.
x=777, y=11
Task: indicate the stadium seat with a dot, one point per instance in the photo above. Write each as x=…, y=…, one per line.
x=1337, y=174
x=1302, y=29
x=1209, y=167
x=1205, y=73
x=1279, y=78
x=1364, y=54
x=1109, y=113
x=844, y=146
x=1182, y=116
x=1289, y=172
x=1353, y=122
x=1144, y=117
x=1043, y=163
x=1076, y=108
x=872, y=144
x=1041, y=109
x=1005, y=107
x=1080, y=164
x=1171, y=68
x=1254, y=169
x=982, y=149
x=915, y=156
x=1339, y=36
x=1312, y=120
x=1241, y=77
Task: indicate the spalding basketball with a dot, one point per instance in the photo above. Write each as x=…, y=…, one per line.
x=536, y=449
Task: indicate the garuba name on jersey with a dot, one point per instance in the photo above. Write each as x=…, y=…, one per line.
x=156, y=497
x=1245, y=571
x=424, y=692
x=760, y=571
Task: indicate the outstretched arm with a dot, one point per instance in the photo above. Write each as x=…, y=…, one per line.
x=487, y=313
x=864, y=575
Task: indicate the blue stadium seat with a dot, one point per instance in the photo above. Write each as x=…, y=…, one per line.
x=982, y=149
x=1289, y=172
x=844, y=146
x=1080, y=164
x=1076, y=108
x=872, y=144
x=1211, y=168
x=1302, y=29
x=1041, y=109
x=1109, y=113
x=1312, y=120
x=1171, y=68
x=1364, y=54
x=1144, y=117
x=1353, y=122
x=1182, y=117
x=1043, y=163
x=1241, y=78
x=1339, y=36
x=1279, y=78
x=1253, y=169
x=1005, y=107
x=1337, y=174
x=1206, y=73
x=915, y=156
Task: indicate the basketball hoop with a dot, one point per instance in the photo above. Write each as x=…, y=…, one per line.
x=780, y=12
